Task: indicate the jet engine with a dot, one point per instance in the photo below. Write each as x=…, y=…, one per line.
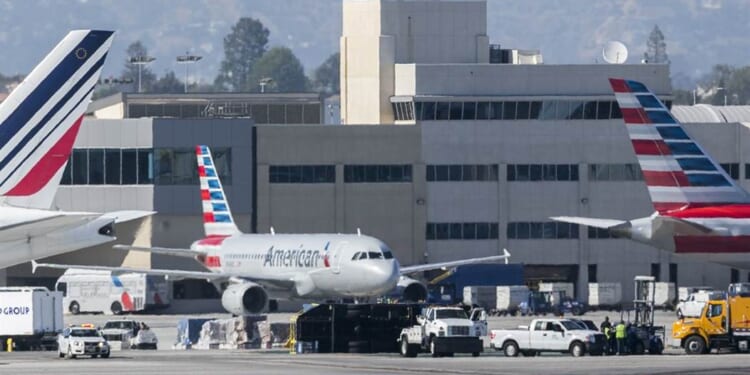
x=244, y=298
x=411, y=290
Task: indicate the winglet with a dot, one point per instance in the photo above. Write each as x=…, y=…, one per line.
x=506, y=253
x=34, y=264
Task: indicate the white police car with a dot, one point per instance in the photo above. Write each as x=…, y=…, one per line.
x=82, y=340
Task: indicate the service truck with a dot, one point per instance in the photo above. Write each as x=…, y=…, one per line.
x=105, y=292
x=443, y=331
x=723, y=323
x=548, y=335
x=31, y=317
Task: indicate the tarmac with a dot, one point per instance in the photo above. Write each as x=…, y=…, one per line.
x=278, y=361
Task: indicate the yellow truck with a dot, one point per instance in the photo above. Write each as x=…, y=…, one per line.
x=724, y=323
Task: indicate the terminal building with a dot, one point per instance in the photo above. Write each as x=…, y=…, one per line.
x=450, y=147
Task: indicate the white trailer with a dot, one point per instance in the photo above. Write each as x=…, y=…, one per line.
x=605, y=295
x=510, y=297
x=31, y=317
x=111, y=293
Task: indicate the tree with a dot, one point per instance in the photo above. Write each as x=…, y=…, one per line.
x=130, y=71
x=656, y=48
x=283, y=68
x=326, y=76
x=243, y=46
x=168, y=84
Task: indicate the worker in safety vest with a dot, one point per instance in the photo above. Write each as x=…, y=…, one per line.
x=606, y=328
x=620, y=335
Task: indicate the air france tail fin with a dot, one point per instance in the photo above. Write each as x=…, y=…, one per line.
x=678, y=172
x=40, y=119
x=217, y=218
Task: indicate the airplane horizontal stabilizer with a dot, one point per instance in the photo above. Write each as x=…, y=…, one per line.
x=456, y=263
x=590, y=222
x=162, y=250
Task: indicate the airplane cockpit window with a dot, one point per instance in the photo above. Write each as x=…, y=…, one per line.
x=387, y=254
x=363, y=255
x=375, y=255
x=356, y=256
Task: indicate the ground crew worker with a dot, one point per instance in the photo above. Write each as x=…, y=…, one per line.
x=605, y=327
x=620, y=335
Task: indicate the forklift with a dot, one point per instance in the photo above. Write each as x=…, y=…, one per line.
x=642, y=333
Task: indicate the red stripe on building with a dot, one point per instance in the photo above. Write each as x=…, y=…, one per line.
x=671, y=178
x=619, y=85
x=46, y=168
x=712, y=244
x=208, y=217
x=650, y=147
x=205, y=195
x=634, y=116
x=201, y=171
x=715, y=211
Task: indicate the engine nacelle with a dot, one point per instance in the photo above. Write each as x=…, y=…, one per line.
x=244, y=298
x=411, y=290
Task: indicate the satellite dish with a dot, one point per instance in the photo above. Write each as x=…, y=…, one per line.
x=615, y=52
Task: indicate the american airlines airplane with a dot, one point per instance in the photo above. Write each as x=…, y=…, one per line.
x=284, y=266
x=39, y=122
x=700, y=210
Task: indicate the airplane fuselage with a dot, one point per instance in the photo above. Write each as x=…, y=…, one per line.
x=304, y=265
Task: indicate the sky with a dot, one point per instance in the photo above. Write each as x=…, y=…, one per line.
x=699, y=33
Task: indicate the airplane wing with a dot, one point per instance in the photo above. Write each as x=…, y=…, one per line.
x=682, y=227
x=169, y=273
x=188, y=253
x=590, y=222
x=34, y=228
x=455, y=263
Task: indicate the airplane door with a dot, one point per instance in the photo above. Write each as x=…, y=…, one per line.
x=335, y=256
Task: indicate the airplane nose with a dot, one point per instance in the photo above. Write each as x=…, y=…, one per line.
x=385, y=275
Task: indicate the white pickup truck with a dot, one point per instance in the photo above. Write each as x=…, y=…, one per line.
x=548, y=335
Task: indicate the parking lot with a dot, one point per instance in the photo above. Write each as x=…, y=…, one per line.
x=279, y=361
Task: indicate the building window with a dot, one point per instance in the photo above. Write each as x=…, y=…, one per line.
x=80, y=167
x=592, y=273
x=541, y=230
x=109, y=167
x=599, y=233
x=177, y=166
x=377, y=173
x=461, y=231
x=615, y=172
x=732, y=169
x=112, y=165
x=302, y=174
x=542, y=172
x=462, y=172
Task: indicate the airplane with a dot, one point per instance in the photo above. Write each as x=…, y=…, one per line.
x=260, y=267
x=39, y=122
x=699, y=209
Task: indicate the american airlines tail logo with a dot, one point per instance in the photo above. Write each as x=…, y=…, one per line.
x=292, y=258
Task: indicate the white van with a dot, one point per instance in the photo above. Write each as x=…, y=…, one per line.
x=105, y=292
x=692, y=306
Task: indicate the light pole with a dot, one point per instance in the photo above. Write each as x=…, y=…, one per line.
x=140, y=61
x=263, y=82
x=187, y=59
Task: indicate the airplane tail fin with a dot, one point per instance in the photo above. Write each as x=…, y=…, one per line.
x=217, y=218
x=678, y=172
x=39, y=120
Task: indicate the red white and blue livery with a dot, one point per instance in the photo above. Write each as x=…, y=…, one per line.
x=699, y=209
x=39, y=122
x=260, y=267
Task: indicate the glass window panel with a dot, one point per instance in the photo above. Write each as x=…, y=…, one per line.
x=455, y=229
x=589, y=111
x=136, y=110
x=112, y=166
x=496, y=112
x=573, y=230
x=563, y=172
x=549, y=172
x=190, y=111
x=172, y=110
x=146, y=166
x=576, y=110
x=129, y=167
x=548, y=111
x=455, y=173
x=223, y=162
x=442, y=172
x=535, y=172
x=67, y=177
x=550, y=230
x=293, y=113
x=259, y=113
x=407, y=173
x=456, y=110
x=563, y=110
x=276, y=114
x=617, y=172
x=418, y=111
x=573, y=172
x=384, y=173
x=397, y=173
x=184, y=167
x=522, y=230
x=603, y=110
x=483, y=231
x=481, y=173
x=536, y=109
x=371, y=173
x=511, y=171
x=522, y=172
x=522, y=110
x=469, y=110
x=96, y=166
x=430, y=231
x=563, y=230
x=430, y=173
x=428, y=112
x=494, y=231
x=509, y=111
x=470, y=172
x=470, y=231
x=442, y=231
x=312, y=114
x=442, y=111
x=359, y=174
x=493, y=174
x=396, y=112
x=154, y=110
x=80, y=167
x=295, y=174
x=308, y=174
x=616, y=110
x=592, y=232
x=483, y=111
x=537, y=230
x=511, y=231
x=163, y=163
